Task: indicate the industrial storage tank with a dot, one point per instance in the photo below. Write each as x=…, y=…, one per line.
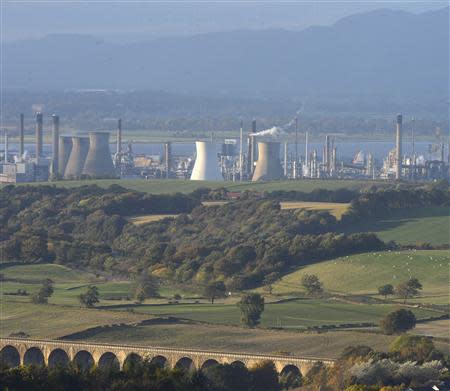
x=65, y=147
x=77, y=158
x=206, y=167
x=268, y=166
x=99, y=163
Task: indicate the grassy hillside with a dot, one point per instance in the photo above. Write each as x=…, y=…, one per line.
x=408, y=226
x=364, y=273
x=160, y=186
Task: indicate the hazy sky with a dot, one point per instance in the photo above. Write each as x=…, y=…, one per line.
x=129, y=20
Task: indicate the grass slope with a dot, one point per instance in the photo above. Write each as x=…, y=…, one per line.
x=53, y=321
x=408, y=226
x=364, y=273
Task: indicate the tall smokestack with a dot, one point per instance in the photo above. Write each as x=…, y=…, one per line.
x=253, y=150
x=286, y=159
x=241, y=156
x=55, y=145
x=306, y=152
x=39, y=134
x=296, y=140
x=327, y=154
x=21, y=137
x=167, y=158
x=119, y=137
x=398, y=163
x=6, y=145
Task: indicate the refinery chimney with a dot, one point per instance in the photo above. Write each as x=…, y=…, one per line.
x=98, y=160
x=206, y=167
x=252, y=148
x=39, y=134
x=77, y=159
x=64, y=149
x=268, y=166
x=119, y=137
x=6, y=146
x=327, y=154
x=167, y=158
x=398, y=143
x=55, y=144
x=21, y=137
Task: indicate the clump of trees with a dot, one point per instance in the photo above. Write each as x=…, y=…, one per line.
x=44, y=293
x=90, y=297
x=144, y=287
x=251, y=306
x=408, y=289
x=398, y=321
x=386, y=290
x=312, y=285
x=215, y=290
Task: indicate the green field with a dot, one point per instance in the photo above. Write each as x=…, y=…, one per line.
x=298, y=314
x=160, y=186
x=364, y=273
x=408, y=226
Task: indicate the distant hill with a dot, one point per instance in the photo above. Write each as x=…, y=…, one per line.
x=382, y=52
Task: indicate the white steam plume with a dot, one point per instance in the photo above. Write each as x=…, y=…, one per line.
x=277, y=131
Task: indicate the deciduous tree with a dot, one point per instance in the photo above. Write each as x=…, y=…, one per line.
x=251, y=306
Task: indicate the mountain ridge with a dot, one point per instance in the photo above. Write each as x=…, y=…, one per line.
x=380, y=52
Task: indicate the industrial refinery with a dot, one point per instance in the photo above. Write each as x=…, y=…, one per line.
x=268, y=155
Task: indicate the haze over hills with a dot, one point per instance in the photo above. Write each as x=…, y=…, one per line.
x=363, y=54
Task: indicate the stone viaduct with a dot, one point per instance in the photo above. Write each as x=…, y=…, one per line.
x=23, y=351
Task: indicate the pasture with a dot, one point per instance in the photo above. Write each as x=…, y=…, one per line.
x=364, y=273
x=410, y=226
x=295, y=314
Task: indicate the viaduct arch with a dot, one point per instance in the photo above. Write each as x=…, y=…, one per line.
x=18, y=351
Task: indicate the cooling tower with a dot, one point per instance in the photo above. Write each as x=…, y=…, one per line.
x=206, y=167
x=268, y=167
x=65, y=147
x=77, y=159
x=98, y=161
